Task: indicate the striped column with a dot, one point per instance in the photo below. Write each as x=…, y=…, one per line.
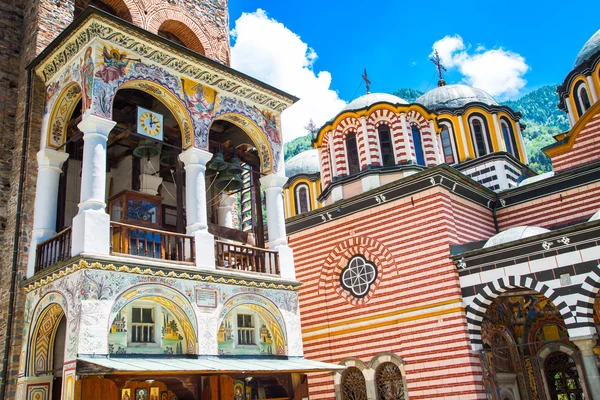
x=364, y=149
x=436, y=145
x=405, y=130
x=339, y=155
x=373, y=145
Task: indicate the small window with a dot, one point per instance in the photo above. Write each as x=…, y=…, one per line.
x=352, y=154
x=302, y=199
x=447, y=144
x=582, y=100
x=142, y=325
x=419, y=153
x=509, y=138
x=389, y=382
x=354, y=386
x=245, y=329
x=387, y=149
x=478, y=132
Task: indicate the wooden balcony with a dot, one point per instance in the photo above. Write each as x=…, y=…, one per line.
x=246, y=258
x=53, y=250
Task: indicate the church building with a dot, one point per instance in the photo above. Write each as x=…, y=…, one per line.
x=435, y=263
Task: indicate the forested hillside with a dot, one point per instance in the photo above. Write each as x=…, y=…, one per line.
x=540, y=114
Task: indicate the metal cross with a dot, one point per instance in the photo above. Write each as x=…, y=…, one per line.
x=438, y=64
x=367, y=81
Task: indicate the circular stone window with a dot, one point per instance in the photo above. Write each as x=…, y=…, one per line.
x=358, y=276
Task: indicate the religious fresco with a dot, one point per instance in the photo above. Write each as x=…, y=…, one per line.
x=248, y=330
x=155, y=334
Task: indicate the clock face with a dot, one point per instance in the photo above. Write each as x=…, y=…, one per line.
x=150, y=123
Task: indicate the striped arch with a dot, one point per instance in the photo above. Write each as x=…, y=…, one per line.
x=589, y=290
x=344, y=127
x=393, y=121
x=428, y=140
x=477, y=309
x=42, y=339
x=338, y=258
x=325, y=161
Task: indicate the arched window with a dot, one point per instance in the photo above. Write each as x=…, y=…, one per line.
x=302, y=199
x=388, y=379
x=181, y=34
x=582, y=100
x=447, y=143
x=509, y=137
x=562, y=376
x=114, y=7
x=419, y=153
x=479, y=133
x=352, y=154
x=354, y=386
x=387, y=149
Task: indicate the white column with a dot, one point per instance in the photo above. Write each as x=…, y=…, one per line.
x=315, y=201
x=592, y=88
x=194, y=161
x=91, y=226
x=334, y=171
x=523, y=150
x=436, y=146
x=273, y=185
x=46, y=197
x=225, y=211
x=365, y=136
x=463, y=135
x=288, y=203
x=570, y=111
x=499, y=135
x=404, y=125
x=592, y=376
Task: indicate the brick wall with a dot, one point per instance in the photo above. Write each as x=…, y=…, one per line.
x=414, y=308
x=585, y=150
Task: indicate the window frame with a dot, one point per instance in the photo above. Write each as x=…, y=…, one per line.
x=153, y=326
x=484, y=135
x=345, y=376
x=352, y=137
x=579, y=103
x=391, y=154
x=249, y=332
x=448, y=125
x=413, y=128
x=514, y=148
x=298, y=205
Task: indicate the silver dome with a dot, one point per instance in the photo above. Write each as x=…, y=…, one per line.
x=454, y=96
x=512, y=234
x=591, y=47
x=372, y=98
x=305, y=163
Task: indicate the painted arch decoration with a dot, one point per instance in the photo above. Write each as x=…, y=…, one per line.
x=251, y=324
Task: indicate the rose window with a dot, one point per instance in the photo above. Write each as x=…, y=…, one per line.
x=358, y=276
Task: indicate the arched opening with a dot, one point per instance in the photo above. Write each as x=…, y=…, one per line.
x=353, y=384
x=516, y=327
x=389, y=382
x=509, y=137
x=179, y=33
x=447, y=141
x=151, y=325
x=250, y=329
x=302, y=196
x=59, y=358
x=582, y=98
x=418, y=144
x=479, y=134
x=352, y=154
x=117, y=8
x=562, y=377
x=385, y=142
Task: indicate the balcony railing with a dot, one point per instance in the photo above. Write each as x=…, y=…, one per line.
x=246, y=258
x=53, y=250
x=134, y=240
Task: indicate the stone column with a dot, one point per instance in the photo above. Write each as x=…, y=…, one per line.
x=522, y=150
x=273, y=185
x=463, y=135
x=590, y=368
x=570, y=111
x=225, y=212
x=436, y=145
x=91, y=226
x=365, y=137
x=404, y=124
x=499, y=134
x=592, y=89
x=195, y=161
x=46, y=197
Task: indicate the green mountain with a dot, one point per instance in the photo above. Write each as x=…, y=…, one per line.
x=540, y=116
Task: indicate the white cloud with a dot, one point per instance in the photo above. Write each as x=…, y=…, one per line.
x=499, y=72
x=265, y=49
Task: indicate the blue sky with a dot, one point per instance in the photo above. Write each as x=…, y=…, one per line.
x=533, y=43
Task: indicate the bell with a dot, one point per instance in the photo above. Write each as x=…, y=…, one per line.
x=146, y=149
x=228, y=182
x=217, y=163
x=234, y=166
x=168, y=158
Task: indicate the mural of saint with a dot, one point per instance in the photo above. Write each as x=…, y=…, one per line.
x=114, y=65
x=141, y=394
x=87, y=78
x=270, y=125
x=197, y=103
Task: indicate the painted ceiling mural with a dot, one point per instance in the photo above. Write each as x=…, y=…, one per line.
x=530, y=319
x=194, y=93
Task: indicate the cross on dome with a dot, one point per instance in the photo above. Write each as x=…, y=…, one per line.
x=367, y=81
x=438, y=64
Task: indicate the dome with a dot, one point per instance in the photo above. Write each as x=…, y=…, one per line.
x=306, y=163
x=591, y=47
x=372, y=98
x=454, y=96
x=512, y=234
x=595, y=217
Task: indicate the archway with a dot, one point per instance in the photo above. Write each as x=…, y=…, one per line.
x=181, y=34
x=44, y=339
x=117, y=8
